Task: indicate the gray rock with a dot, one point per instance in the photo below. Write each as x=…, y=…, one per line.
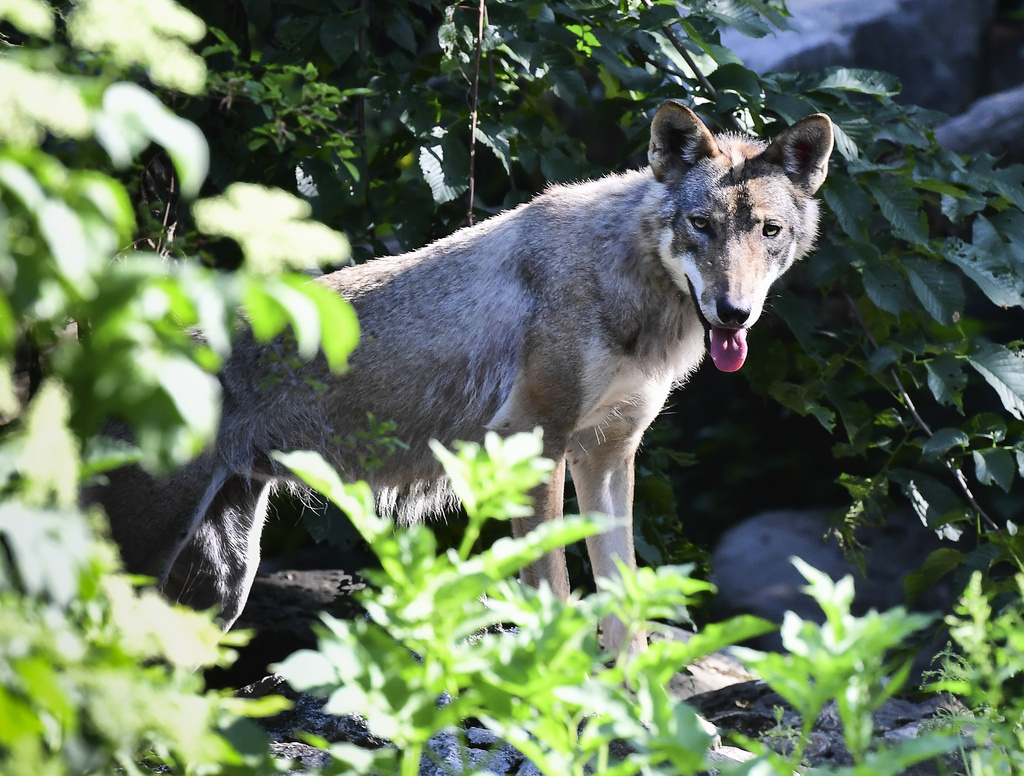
x=528, y=769
x=993, y=125
x=751, y=566
x=932, y=46
x=754, y=710
x=307, y=758
x=454, y=752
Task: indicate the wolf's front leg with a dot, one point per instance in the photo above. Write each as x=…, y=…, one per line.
x=603, y=477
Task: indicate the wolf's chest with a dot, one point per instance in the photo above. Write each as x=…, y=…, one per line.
x=630, y=391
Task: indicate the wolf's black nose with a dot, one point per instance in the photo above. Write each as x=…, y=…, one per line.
x=730, y=315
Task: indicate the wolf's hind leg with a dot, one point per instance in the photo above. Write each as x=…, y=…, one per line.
x=217, y=566
x=153, y=518
x=547, y=505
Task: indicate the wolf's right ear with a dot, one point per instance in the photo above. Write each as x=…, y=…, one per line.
x=679, y=139
x=803, y=151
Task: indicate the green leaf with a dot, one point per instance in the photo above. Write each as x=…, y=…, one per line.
x=273, y=227
x=50, y=462
x=103, y=454
x=39, y=102
x=355, y=500
x=62, y=229
x=567, y=83
x=994, y=464
x=944, y=440
x=936, y=504
x=150, y=33
x=31, y=16
x=988, y=425
x=938, y=563
x=989, y=264
x=444, y=168
x=893, y=760
x=132, y=117
x=885, y=287
x=802, y=400
x=497, y=138
x=339, y=327
x=338, y=36
x=859, y=80
x=884, y=356
x=938, y=289
x=851, y=206
x=738, y=15
x=903, y=208
x=35, y=537
x=946, y=379
x=295, y=298
x=1003, y=369
x=801, y=318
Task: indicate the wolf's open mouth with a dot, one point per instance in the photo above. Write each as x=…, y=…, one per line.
x=728, y=348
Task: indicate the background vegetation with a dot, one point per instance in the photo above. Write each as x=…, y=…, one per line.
x=135, y=144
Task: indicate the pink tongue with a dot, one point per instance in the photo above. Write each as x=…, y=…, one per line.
x=728, y=348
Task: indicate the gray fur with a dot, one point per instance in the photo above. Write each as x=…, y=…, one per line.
x=572, y=312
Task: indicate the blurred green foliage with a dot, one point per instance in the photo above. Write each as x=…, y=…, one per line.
x=887, y=375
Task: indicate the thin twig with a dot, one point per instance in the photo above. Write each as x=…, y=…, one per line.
x=958, y=474
x=674, y=40
x=361, y=111
x=474, y=112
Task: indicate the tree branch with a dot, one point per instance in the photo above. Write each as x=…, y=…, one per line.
x=674, y=40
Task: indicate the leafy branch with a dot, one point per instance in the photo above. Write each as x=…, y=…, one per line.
x=908, y=402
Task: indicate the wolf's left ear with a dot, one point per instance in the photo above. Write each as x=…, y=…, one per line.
x=803, y=151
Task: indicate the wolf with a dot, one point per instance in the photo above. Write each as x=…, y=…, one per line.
x=577, y=312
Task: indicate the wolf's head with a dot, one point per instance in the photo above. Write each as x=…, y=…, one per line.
x=738, y=213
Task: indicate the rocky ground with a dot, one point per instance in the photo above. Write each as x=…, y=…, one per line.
x=284, y=604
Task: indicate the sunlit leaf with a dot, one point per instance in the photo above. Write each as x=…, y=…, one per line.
x=859, y=80
x=133, y=117
x=269, y=224
x=938, y=507
x=987, y=262
x=37, y=102
x=150, y=33
x=901, y=206
x=32, y=16
x=1003, y=369
x=50, y=458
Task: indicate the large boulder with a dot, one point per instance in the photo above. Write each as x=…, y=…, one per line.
x=933, y=46
x=993, y=125
x=752, y=568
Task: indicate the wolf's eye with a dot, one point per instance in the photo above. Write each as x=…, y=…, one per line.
x=771, y=230
x=699, y=223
